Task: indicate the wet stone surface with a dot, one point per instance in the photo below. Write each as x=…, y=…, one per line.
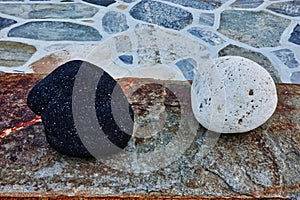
x=45, y=11
x=114, y=22
x=55, y=31
x=287, y=57
x=4, y=22
x=161, y=14
x=232, y=50
x=13, y=54
x=250, y=32
x=295, y=35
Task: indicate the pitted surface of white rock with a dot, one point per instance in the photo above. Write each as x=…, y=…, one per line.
x=242, y=99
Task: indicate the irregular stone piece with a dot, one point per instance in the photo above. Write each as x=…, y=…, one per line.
x=207, y=36
x=127, y=59
x=233, y=25
x=6, y=22
x=55, y=31
x=295, y=77
x=161, y=14
x=232, y=50
x=204, y=5
x=247, y=4
x=233, y=95
x=45, y=11
x=290, y=8
x=129, y=1
x=187, y=67
x=114, y=22
x=101, y=2
x=54, y=99
x=287, y=57
x=13, y=54
x=207, y=19
x=295, y=36
x=161, y=46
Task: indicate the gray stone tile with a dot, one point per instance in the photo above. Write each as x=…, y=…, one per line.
x=258, y=29
x=199, y=4
x=247, y=3
x=232, y=50
x=287, y=57
x=290, y=8
x=129, y=1
x=161, y=14
x=295, y=36
x=45, y=11
x=207, y=36
x=295, y=77
x=55, y=31
x=187, y=67
x=4, y=22
x=114, y=22
x=101, y=2
x=207, y=19
x=127, y=59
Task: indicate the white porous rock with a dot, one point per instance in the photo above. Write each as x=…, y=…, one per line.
x=232, y=94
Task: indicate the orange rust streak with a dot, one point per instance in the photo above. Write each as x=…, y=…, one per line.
x=20, y=126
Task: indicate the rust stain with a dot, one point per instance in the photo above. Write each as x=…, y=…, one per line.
x=276, y=190
x=278, y=127
x=13, y=94
x=85, y=195
x=20, y=126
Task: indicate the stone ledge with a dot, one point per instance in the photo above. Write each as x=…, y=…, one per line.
x=262, y=163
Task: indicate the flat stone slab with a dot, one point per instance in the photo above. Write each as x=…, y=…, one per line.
x=46, y=11
x=4, y=22
x=262, y=163
x=250, y=32
x=204, y=5
x=14, y=54
x=295, y=35
x=247, y=4
x=290, y=8
x=55, y=31
x=287, y=57
x=161, y=14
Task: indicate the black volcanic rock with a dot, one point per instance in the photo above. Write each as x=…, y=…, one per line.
x=55, y=96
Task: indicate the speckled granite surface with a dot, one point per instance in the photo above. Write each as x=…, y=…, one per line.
x=262, y=163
